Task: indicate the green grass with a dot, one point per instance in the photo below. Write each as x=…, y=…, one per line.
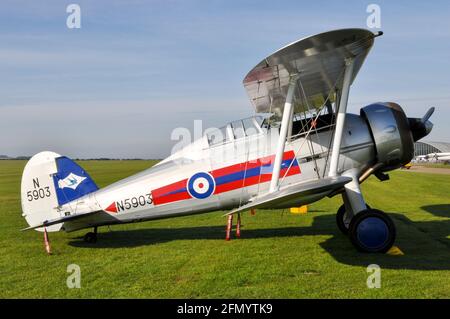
x=280, y=255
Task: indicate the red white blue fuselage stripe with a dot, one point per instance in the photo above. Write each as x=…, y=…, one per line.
x=230, y=178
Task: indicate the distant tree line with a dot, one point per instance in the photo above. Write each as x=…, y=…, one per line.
x=6, y=157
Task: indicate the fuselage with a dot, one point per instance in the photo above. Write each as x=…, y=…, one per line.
x=226, y=172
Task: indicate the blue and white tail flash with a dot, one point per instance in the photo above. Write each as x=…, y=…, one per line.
x=71, y=181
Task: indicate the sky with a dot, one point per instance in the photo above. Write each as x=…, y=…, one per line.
x=136, y=70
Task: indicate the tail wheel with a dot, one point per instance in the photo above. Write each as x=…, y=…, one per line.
x=372, y=231
x=342, y=220
x=90, y=238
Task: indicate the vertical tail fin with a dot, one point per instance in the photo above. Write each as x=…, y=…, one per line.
x=49, y=181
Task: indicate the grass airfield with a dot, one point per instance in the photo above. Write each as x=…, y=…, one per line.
x=279, y=255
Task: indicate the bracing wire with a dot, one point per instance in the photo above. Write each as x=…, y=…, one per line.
x=310, y=127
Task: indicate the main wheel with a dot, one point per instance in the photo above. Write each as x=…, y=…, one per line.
x=90, y=237
x=342, y=220
x=372, y=231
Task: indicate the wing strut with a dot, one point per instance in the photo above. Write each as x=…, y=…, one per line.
x=287, y=117
x=340, y=119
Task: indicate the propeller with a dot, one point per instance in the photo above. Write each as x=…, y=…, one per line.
x=427, y=115
x=421, y=127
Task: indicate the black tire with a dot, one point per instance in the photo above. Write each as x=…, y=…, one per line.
x=90, y=238
x=342, y=225
x=372, y=231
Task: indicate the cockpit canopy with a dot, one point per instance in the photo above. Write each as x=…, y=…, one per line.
x=254, y=125
x=235, y=130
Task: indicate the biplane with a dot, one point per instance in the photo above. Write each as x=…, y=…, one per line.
x=299, y=147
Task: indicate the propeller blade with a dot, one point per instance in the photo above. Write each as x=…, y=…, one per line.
x=428, y=114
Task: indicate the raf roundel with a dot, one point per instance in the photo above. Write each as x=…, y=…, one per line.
x=201, y=185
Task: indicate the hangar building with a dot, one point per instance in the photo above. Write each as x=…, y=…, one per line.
x=424, y=148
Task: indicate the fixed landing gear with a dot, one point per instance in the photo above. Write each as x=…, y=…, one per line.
x=91, y=237
x=343, y=219
x=370, y=230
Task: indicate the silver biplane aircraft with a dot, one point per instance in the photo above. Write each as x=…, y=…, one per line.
x=303, y=147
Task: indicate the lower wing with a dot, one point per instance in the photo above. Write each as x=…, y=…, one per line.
x=295, y=192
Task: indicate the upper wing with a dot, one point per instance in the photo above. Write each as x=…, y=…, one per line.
x=294, y=192
x=319, y=60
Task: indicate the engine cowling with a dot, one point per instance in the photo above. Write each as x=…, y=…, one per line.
x=391, y=132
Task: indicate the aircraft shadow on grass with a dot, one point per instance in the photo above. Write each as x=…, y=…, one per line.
x=426, y=244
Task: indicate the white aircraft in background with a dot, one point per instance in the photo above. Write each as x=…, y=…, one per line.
x=433, y=157
x=420, y=158
x=438, y=157
x=309, y=148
